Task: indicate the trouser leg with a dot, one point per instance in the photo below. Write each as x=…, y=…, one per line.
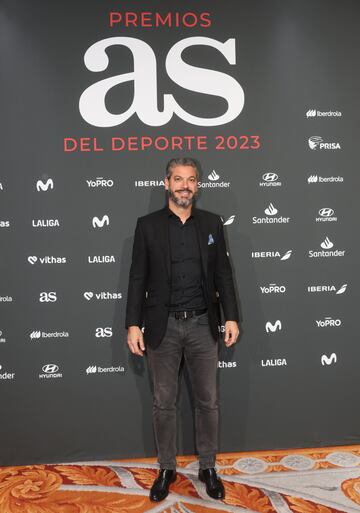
x=164, y=363
x=201, y=356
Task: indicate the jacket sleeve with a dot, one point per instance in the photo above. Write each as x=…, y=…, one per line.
x=224, y=281
x=137, y=279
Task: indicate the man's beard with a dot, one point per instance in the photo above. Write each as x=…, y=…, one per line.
x=182, y=202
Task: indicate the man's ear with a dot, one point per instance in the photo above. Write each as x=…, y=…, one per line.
x=166, y=181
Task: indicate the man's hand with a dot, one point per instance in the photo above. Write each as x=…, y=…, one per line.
x=135, y=340
x=231, y=333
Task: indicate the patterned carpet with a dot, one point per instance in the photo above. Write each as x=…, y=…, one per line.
x=323, y=480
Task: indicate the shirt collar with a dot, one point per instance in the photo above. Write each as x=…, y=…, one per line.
x=171, y=213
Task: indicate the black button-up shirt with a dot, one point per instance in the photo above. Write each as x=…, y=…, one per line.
x=186, y=271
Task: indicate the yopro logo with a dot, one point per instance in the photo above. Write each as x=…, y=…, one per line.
x=328, y=322
x=100, y=181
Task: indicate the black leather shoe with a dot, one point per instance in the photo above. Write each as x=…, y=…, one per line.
x=214, y=486
x=160, y=487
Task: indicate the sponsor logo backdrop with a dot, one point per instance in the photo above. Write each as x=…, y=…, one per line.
x=97, y=97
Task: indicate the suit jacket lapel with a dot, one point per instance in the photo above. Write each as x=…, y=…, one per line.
x=166, y=241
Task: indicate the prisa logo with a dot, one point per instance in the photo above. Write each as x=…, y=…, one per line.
x=92, y=103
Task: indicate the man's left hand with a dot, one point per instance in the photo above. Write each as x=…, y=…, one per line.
x=231, y=332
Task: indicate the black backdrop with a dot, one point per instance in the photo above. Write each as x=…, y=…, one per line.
x=282, y=173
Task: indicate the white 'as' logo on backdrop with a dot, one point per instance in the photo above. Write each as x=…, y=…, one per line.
x=144, y=77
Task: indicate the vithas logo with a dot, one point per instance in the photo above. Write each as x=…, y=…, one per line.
x=32, y=259
x=102, y=295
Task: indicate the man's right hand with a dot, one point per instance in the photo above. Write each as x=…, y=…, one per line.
x=135, y=340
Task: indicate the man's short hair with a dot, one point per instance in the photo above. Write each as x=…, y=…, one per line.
x=186, y=161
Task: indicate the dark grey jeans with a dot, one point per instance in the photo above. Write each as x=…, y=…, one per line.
x=191, y=337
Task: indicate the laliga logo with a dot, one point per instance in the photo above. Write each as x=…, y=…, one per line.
x=92, y=102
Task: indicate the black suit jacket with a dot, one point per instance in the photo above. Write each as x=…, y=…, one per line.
x=149, y=280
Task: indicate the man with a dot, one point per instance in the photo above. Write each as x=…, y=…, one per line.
x=180, y=271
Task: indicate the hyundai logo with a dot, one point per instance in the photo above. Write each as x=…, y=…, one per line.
x=270, y=177
x=50, y=368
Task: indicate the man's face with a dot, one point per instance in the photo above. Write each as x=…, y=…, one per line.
x=182, y=185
